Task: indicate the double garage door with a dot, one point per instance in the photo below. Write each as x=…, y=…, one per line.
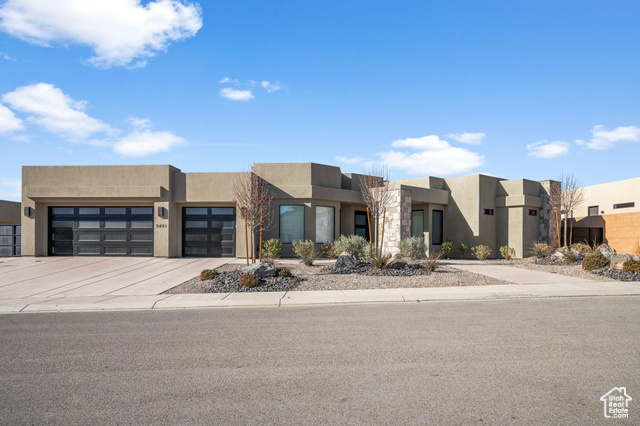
x=101, y=231
x=128, y=231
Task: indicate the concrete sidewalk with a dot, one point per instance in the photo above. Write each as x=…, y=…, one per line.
x=513, y=274
x=331, y=297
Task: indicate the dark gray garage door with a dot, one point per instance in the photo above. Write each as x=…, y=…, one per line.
x=209, y=231
x=10, y=240
x=101, y=231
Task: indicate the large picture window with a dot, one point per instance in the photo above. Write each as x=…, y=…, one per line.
x=417, y=223
x=325, y=224
x=291, y=223
x=437, y=227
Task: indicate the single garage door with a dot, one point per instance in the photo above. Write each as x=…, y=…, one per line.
x=101, y=231
x=209, y=231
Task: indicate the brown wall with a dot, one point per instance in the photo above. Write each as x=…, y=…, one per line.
x=9, y=212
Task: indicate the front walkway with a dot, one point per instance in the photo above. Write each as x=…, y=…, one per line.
x=513, y=274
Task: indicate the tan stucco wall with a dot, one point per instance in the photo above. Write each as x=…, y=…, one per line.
x=607, y=194
x=10, y=212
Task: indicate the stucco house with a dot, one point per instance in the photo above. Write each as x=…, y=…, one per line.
x=158, y=210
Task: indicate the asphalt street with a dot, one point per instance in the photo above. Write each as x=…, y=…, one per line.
x=530, y=361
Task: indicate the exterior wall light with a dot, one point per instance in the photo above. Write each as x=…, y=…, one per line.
x=161, y=211
x=27, y=211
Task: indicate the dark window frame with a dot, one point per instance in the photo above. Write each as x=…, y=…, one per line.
x=366, y=223
x=304, y=223
x=441, y=239
x=593, y=207
x=628, y=205
x=14, y=235
x=533, y=212
x=488, y=212
x=417, y=210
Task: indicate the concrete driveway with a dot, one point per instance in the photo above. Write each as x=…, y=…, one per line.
x=96, y=276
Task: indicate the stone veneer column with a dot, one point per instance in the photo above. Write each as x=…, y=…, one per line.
x=548, y=228
x=397, y=224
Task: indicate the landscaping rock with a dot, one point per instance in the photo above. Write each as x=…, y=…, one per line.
x=607, y=250
x=346, y=261
x=261, y=270
x=618, y=259
x=398, y=262
x=561, y=252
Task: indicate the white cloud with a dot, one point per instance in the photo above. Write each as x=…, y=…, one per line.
x=139, y=123
x=470, y=138
x=8, y=120
x=120, y=32
x=350, y=160
x=236, y=95
x=423, y=143
x=546, y=149
x=271, y=87
x=51, y=109
x=7, y=57
x=146, y=142
x=10, y=189
x=229, y=80
x=442, y=162
x=602, y=139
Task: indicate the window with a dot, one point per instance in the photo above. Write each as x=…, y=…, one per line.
x=223, y=211
x=89, y=210
x=141, y=210
x=62, y=210
x=533, y=212
x=624, y=205
x=488, y=212
x=325, y=224
x=196, y=210
x=115, y=210
x=361, y=225
x=593, y=211
x=291, y=223
x=88, y=224
x=417, y=223
x=437, y=226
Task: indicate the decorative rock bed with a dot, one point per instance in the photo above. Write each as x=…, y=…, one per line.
x=367, y=269
x=227, y=282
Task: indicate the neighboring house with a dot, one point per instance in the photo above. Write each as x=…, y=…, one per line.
x=9, y=228
x=610, y=213
x=161, y=211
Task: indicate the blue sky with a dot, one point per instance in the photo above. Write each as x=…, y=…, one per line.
x=513, y=89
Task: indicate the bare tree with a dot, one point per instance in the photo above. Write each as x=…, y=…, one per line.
x=254, y=199
x=376, y=193
x=567, y=197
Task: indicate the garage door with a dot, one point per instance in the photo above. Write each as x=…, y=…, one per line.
x=101, y=231
x=209, y=231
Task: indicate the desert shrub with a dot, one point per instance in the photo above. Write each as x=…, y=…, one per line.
x=481, y=252
x=583, y=248
x=380, y=260
x=432, y=262
x=569, y=257
x=208, y=274
x=352, y=244
x=305, y=250
x=447, y=248
x=595, y=260
x=632, y=266
x=249, y=280
x=413, y=247
x=541, y=250
x=284, y=272
x=463, y=249
x=507, y=252
x=329, y=250
x=272, y=249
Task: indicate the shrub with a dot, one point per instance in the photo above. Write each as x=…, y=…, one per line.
x=329, y=250
x=305, y=250
x=413, y=247
x=583, y=248
x=481, y=252
x=284, y=272
x=463, y=249
x=208, y=274
x=352, y=244
x=249, y=280
x=507, y=252
x=380, y=260
x=541, y=250
x=432, y=262
x=272, y=249
x=569, y=257
x=595, y=260
x=447, y=248
x=632, y=266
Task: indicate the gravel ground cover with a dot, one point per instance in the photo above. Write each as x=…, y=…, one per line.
x=319, y=277
x=548, y=265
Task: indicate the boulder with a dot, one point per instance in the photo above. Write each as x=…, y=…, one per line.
x=607, y=250
x=561, y=252
x=398, y=262
x=260, y=270
x=618, y=259
x=346, y=261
